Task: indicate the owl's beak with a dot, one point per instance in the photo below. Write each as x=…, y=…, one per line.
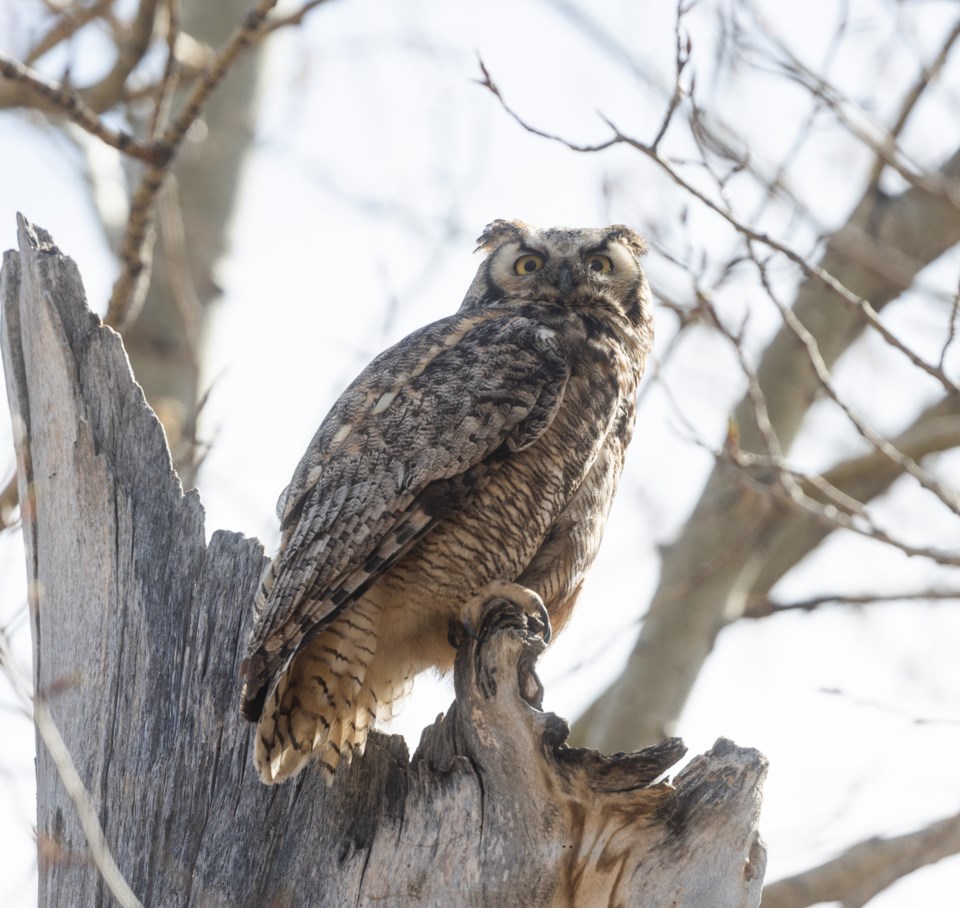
x=564, y=280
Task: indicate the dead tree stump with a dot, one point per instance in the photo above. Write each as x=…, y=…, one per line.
x=145, y=785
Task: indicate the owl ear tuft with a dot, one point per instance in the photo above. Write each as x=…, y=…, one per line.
x=497, y=231
x=629, y=238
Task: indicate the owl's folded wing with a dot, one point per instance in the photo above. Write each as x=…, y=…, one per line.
x=404, y=446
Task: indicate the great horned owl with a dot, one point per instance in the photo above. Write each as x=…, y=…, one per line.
x=485, y=447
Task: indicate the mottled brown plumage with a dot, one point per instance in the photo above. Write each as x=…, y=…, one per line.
x=483, y=448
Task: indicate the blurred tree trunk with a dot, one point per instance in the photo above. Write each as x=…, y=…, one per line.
x=165, y=343
x=739, y=541
x=146, y=790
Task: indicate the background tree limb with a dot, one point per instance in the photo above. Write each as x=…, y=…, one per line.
x=862, y=871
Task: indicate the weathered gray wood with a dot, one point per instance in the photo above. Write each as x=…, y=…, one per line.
x=138, y=628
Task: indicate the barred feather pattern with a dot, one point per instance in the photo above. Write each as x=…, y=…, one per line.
x=328, y=701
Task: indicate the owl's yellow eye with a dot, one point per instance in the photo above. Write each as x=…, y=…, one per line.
x=527, y=264
x=599, y=263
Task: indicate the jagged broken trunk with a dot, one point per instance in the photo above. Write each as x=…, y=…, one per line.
x=146, y=790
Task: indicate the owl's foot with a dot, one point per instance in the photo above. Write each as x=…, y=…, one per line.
x=504, y=624
x=501, y=603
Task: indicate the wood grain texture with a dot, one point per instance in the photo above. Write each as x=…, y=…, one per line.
x=139, y=626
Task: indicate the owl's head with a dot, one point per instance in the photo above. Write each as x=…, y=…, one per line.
x=594, y=268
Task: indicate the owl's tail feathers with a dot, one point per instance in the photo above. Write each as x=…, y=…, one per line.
x=326, y=702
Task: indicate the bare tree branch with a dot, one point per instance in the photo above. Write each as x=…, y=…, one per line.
x=52, y=739
x=787, y=490
x=131, y=50
x=82, y=106
x=295, y=18
x=951, y=328
x=171, y=73
x=24, y=86
x=867, y=868
x=130, y=287
x=818, y=273
x=99, y=848
x=765, y=608
x=904, y=462
x=829, y=506
x=681, y=58
x=711, y=567
x=70, y=103
x=927, y=76
x=69, y=22
x=884, y=147
x=863, y=479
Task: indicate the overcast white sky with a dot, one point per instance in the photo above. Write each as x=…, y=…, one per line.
x=378, y=162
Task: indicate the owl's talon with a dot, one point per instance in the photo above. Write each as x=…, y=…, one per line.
x=540, y=624
x=460, y=629
x=504, y=604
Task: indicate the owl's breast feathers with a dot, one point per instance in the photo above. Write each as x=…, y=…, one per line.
x=413, y=439
x=406, y=443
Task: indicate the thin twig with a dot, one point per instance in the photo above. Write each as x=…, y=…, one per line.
x=830, y=515
x=796, y=485
x=294, y=18
x=764, y=607
x=951, y=328
x=171, y=73
x=927, y=76
x=139, y=237
x=70, y=103
x=131, y=49
x=192, y=59
x=130, y=286
x=245, y=34
x=837, y=510
x=67, y=771
x=681, y=59
x=905, y=463
x=886, y=149
x=870, y=315
x=89, y=822
x=68, y=23
x=135, y=253
x=184, y=292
